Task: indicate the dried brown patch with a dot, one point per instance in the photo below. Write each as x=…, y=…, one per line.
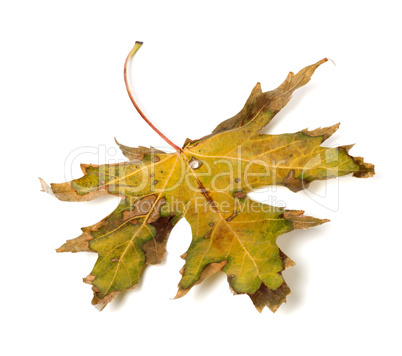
x=266, y=297
x=88, y=279
x=186, y=142
x=301, y=221
x=325, y=132
x=205, y=192
x=347, y=148
x=81, y=243
x=208, y=234
x=156, y=211
x=295, y=184
x=231, y=217
x=208, y=270
x=240, y=195
x=65, y=192
x=366, y=169
x=141, y=207
x=287, y=262
x=155, y=249
x=136, y=154
x=100, y=303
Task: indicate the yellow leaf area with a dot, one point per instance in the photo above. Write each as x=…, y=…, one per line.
x=207, y=183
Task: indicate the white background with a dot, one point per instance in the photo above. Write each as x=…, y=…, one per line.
x=61, y=90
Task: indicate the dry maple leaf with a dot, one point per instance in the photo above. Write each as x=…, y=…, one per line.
x=207, y=182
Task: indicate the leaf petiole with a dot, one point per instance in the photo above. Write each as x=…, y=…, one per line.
x=131, y=54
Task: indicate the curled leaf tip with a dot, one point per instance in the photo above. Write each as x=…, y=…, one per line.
x=45, y=187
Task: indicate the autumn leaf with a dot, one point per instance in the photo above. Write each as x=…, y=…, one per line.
x=207, y=182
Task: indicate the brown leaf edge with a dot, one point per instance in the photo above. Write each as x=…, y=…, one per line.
x=100, y=303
